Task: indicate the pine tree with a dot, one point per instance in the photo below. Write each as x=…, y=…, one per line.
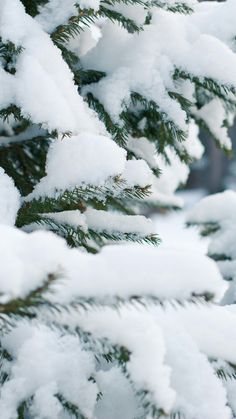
x=100, y=107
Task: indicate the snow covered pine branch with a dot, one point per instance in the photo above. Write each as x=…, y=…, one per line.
x=100, y=104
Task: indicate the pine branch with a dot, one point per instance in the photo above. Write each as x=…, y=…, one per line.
x=177, y=415
x=86, y=17
x=8, y=55
x=70, y=57
x=207, y=228
x=159, y=128
x=137, y=301
x=219, y=257
x=25, y=307
x=119, y=133
x=185, y=103
x=75, y=237
x=177, y=7
x=129, y=24
x=150, y=408
x=75, y=25
x=71, y=408
x=126, y=2
x=102, y=237
x=22, y=410
x=79, y=198
x=221, y=91
x=32, y=6
x=11, y=110
x=85, y=77
x=24, y=161
x=226, y=374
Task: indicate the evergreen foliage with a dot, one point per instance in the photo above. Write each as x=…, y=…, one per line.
x=130, y=133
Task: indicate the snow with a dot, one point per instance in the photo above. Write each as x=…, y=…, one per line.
x=112, y=222
x=137, y=71
x=216, y=19
x=104, y=222
x=171, y=226
x=174, y=344
x=55, y=13
x=43, y=362
x=137, y=172
x=118, y=398
x=28, y=260
x=147, y=269
x=206, y=50
x=9, y=199
x=219, y=209
x=145, y=62
x=73, y=218
x=192, y=143
x=85, y=159
x=173, y=174
x=41, y=72
x=144, y=149
x=200, y=394
x=212, y=328
x=146, y=365
x=190, y=336
x=213, y=114
x=142, y=271
x=173, y=365
x=7, y=86
x=214, y=208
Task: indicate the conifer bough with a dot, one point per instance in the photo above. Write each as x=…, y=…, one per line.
x=100, y=107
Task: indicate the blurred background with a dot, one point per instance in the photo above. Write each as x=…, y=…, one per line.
x=215, y=170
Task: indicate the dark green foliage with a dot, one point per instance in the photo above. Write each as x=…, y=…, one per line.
x=103, y=237
x=32, y=6
x=78, y=198
x=24, y=161
x=85, y=77
x=177, y=415
x=158, y=128
x=149, y=407
x=27, y=307
x=22, y=410
x=227, y=374
x=74, y=26
x=219, y=257
x=72, y=409
x=119, y=133
x=221, y=91
x=158, y=123
x=31, y=306
x=85, y=17
x=12, y=110
x=184, y=103
x=8, y=55
x=23, y=156
x=177, y=7
x=207, y=228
